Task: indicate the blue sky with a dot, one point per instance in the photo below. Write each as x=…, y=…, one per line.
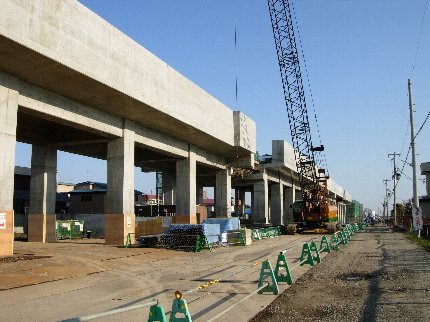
x=359, y=55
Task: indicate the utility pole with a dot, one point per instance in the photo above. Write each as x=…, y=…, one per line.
x=415, y=202
x=394, y=154
x=386, y=202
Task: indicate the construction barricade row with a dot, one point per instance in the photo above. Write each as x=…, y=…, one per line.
x=268, y=281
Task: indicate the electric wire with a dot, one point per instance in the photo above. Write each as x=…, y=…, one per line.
x=419, y=38
x=422, y=125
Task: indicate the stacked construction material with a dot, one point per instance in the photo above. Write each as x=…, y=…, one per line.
x=240, y=237
x=69, y=229
x=185, y=236
x=225, y=224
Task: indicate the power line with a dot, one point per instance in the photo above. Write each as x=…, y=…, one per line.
x=422, y=125
x=419, y=38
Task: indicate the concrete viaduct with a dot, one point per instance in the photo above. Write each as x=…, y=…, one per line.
x=275, y=187
x=70, y=81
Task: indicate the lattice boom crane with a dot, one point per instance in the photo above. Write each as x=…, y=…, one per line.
x=315, y=210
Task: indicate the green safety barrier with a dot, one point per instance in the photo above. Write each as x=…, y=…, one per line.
x=348, y=234
x=263, y=233
x=265, y=272
x=343, y=238
x=314, y=248
x=179, y=306
x=128, y=240
x=281, y=263
x=325, y=245
x=201, y=243
x=334, y=241
x=156, y=314
x=306, y=253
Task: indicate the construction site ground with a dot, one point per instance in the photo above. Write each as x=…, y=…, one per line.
x=378, y=276
x=70, y=278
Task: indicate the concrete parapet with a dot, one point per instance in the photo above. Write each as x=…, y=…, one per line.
x=244, y=131
x=282, y=152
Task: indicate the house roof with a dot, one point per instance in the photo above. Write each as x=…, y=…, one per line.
x=102, y=188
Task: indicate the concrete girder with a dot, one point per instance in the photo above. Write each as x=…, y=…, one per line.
x=55, y=53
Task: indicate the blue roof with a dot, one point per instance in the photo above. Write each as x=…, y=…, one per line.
x=88, y=191
x=136, y=192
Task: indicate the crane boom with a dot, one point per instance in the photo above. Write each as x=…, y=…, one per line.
x=312, y=178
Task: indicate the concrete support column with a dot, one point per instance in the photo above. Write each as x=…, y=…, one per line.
x=169, y=187
x=186, y=181
x=199, y=195
x=289, y=198
x=277, y=204
x=223, y=193
x=119, y=203
x=43, y=194
x=242, y=201
x=8, y=121
x=260, y=210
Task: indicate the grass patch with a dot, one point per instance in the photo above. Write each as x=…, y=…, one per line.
x=422, y=241
x=20, y=237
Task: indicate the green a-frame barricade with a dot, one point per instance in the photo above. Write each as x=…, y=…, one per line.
x=306, y=253
x=282, y=263
x=325, y=245
x=265, y=272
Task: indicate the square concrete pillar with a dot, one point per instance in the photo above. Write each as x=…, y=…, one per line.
x=277, y=204
x=289, y=198
x=260, y=202
x=8, y=121
x=186, y=181
x=43, y=194
x=119, y=212
x=169, y=188
x=241, y=196
x=199, y=195
x=223, y=193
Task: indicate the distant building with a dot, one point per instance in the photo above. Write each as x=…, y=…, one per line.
x=425, y=200
x=145, y=200
x=63, y=187
x=354, y=212
x=21, y=194
x=89, y=197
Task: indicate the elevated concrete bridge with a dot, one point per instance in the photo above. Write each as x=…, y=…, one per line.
x=275, y=186
x=70, y=81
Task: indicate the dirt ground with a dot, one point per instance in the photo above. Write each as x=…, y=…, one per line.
x=379, y=276
x=88, y=277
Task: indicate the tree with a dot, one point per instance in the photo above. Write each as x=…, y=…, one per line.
x=401, y=213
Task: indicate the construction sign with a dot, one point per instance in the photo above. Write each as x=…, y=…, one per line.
x=2, y=221
x=417, y=217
